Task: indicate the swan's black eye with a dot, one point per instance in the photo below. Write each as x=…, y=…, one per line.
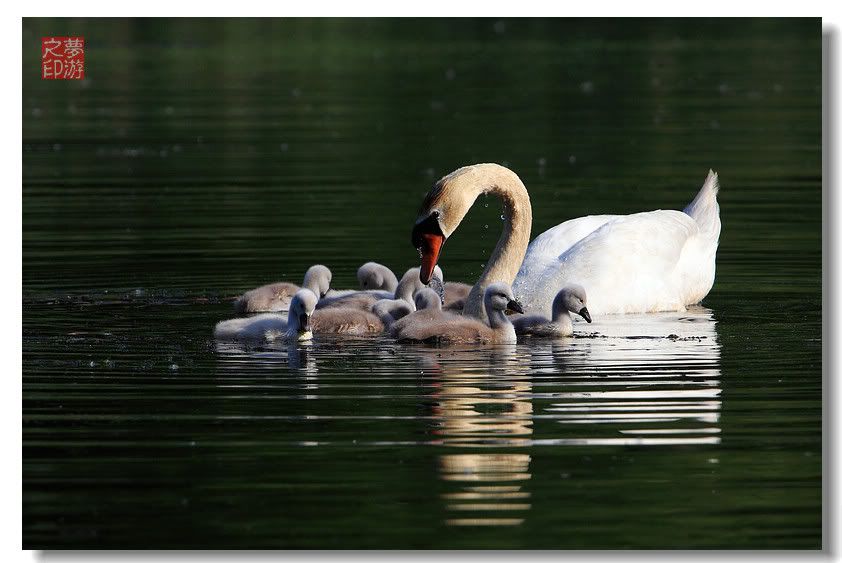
x=436, y=214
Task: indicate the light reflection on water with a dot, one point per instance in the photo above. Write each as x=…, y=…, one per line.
x=634, y=380
x=484, y=409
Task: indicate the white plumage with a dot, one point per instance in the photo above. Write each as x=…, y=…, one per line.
x=653, y=261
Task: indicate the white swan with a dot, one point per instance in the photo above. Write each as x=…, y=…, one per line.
x=654, y=261
x=272, y=326
x=571, y=299
x=449, y=328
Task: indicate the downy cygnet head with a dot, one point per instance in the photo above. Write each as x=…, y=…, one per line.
x=427, y=299
x=372, y=275
x=574, y=299
x=317, y=279
x=499, y=297
x=300, y=310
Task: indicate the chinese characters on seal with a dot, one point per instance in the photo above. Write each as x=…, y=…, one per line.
x=62, y=58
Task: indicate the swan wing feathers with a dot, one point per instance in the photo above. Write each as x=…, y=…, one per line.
x=543, y=252
x=560, y=238
x=628, y=264
x=705, y=209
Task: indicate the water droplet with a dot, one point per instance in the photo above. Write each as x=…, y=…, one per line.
x=502, y=217
x=486, y=226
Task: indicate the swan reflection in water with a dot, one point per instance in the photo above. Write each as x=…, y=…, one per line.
x=236, y=358
x=633, y=380
x=482, y=399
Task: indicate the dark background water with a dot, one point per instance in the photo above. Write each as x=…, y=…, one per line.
x=200, y=158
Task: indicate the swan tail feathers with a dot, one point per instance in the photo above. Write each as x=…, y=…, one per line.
x=704, y=208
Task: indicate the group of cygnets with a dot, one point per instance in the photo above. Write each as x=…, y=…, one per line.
x=406, y=310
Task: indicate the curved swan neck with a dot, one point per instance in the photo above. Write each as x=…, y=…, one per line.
x=406, y=288
x=562, y=315
x=564, y=320
x=497, y=319
x=505, y=261
x=292, y=323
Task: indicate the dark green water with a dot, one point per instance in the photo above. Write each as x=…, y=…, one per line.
x=201, y=158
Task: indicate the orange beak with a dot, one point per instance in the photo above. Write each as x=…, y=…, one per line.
x=430, y=249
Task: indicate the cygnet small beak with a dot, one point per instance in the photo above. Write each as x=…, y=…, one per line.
x=585, y=314
x=515, y=306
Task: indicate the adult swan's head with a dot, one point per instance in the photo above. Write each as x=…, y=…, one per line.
x=447, y=203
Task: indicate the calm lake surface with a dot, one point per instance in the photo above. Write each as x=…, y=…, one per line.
x=200, y=158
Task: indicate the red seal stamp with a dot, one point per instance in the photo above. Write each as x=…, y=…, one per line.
x=62, y=58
